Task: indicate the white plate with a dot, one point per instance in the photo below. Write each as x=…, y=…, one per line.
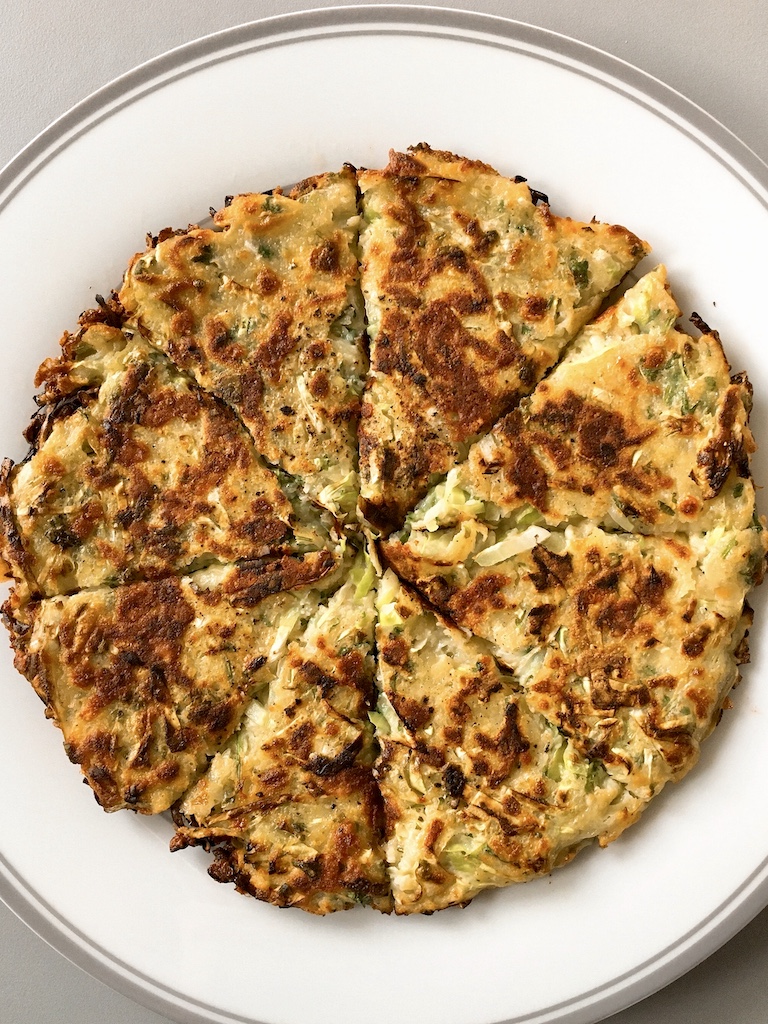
x=270, y=103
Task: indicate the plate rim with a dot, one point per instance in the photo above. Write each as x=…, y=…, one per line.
x=188, y=57
x=751, y=896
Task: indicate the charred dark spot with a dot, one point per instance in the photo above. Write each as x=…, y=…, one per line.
x=607, y=581
x=362, y=887
x=651, y=586
x=539, y=618
x=214, y=717
x=261, y=577
x=716, y=460
x=512, y=743
x=414, y=714
x=158, y=683
x=41, y=424
x=59, y=533
x=601, y=433
x=312, y=868
x=395, y=651
x=217, y=335
x=316, y=677
x=694, y=644
x=222, y=870
x=534, y=307
x=699, y=324
x=132, y=795
x=523, y=471
x=320, y=384
x=552, y=569
x=454, y=780
x=134, y=513
x=326, y=767
x=133, y=399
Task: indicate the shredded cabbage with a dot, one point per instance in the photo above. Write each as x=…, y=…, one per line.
x=513, y=544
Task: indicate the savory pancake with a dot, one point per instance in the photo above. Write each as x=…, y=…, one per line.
x=290, y=805
x=479, y=789
x=628, y=644
x=136, y=473
x=264, y=310
x=147, y=681
x=472, y=289
x=560, y=525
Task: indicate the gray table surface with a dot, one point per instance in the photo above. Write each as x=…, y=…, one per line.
x=54, y=53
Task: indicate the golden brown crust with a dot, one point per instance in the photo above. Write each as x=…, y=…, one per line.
x=627, y=644
x=657, y=447
x=480, y=790
x=134, y=473
x=147, y=681
x=596, y=546
x=472, y=290
x=290, y=806
x=263, y=310
x=320, y=884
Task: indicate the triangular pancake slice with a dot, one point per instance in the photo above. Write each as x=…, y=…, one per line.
x=627, y=643
x=264, y=309
x=472, y=289
x=147, y=681
x=640, y=428
x=290, y=804
x=135, y=473
x=480, y=791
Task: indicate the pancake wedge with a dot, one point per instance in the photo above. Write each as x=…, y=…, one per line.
x=639, y=427
x=264, y=310
x=290, y=805
x=136, y=474
x=472, y=289
x=147, y=681
x=629, y=644
x=480, y=791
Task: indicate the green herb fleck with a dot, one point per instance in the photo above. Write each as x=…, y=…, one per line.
x=59, y=533
x=204, y=256
x=625, y=508
x=580, y=271
x=753, y=568
x=728, y=547
x=84, y=350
